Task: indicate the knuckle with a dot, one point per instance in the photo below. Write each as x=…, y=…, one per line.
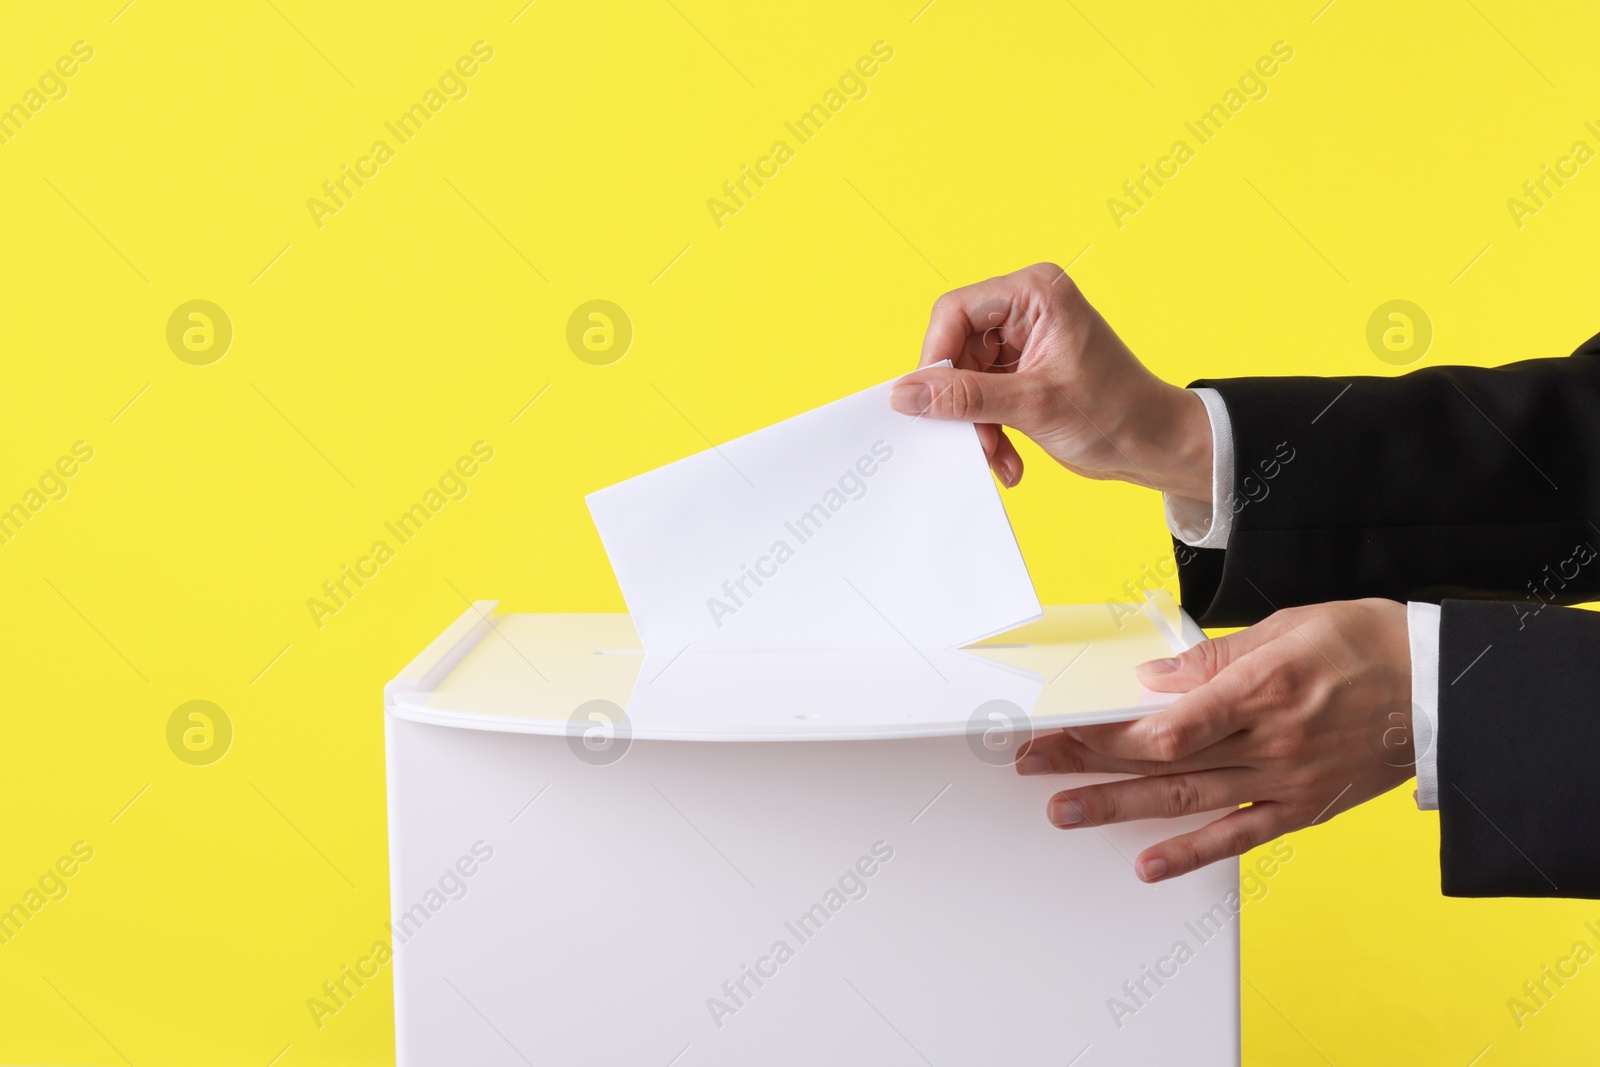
x=1183, y=797
x=1297, y=748
x=1301, y=786
x=1167, y=738
x=1280, y=623
x=958, y=398
x=1274, y=691
x=1270, y=688
x=1067, y=759
x=1046, y=270
x=1211, y=656
x=1237, y=840
x=1284, y=747
x=1054, y=283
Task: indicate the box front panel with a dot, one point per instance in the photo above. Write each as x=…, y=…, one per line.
x=853, y=902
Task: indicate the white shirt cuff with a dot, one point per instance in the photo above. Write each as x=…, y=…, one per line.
x=1201, y=525
x=1194, y=522
x=1422, y=623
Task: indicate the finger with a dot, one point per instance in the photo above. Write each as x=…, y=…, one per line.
x=1000, y=452
x=1205, y=661
x=1167, y=796
x=999, y=334
x=969, y=322
x=1195, y=721
x=989, y=438
x=972, y=396
x=1004, y=459
x=1232, y=835
x=1058, y=753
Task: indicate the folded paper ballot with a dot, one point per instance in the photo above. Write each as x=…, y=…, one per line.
x=848, y=527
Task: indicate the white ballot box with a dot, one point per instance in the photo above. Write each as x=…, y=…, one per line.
x=600, y=857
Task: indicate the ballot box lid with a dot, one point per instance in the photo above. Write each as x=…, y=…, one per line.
x=587, y=677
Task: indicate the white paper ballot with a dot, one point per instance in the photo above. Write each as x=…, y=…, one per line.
x=848, y=527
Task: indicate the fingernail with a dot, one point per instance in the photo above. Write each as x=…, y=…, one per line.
x=1033, y=763
x=1076, y=735
x=1066, y=813
x=1153, y=869
x=911, y=398
x=1005, y=474
x=1158, y=666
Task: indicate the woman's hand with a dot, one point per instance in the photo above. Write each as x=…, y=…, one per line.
x=1302, y=716
x=1031, y=353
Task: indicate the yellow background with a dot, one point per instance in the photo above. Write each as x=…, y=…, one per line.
x=377, y=349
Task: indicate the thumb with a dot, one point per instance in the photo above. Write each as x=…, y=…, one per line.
x=1208, y=659
x=969, y=396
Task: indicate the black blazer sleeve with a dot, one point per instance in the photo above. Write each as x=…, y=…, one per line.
x=1478, y=488
x=1519, y=735
x=1465, y=482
